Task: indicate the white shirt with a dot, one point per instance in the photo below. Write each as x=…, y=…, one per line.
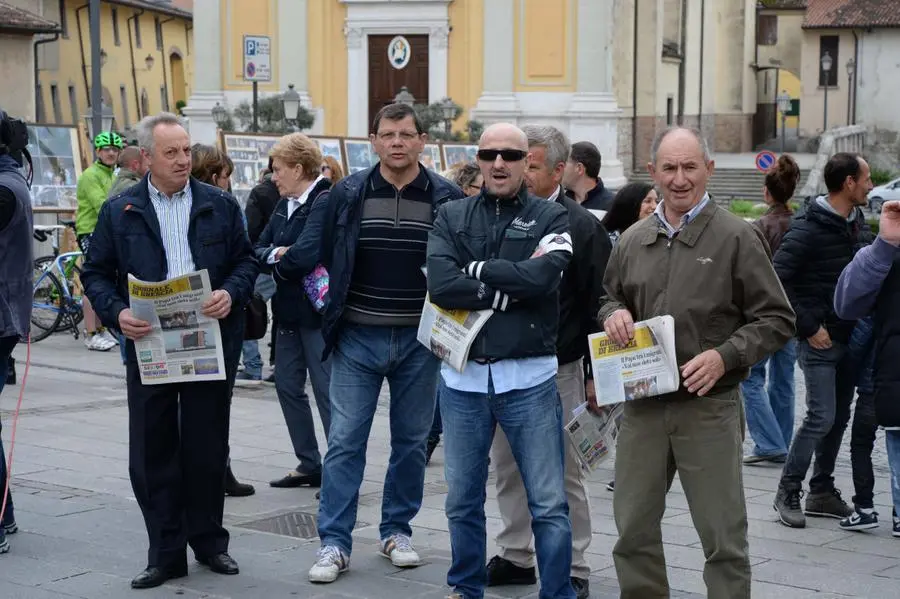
x=174, y=216
x=555, y=194
x=671, y=231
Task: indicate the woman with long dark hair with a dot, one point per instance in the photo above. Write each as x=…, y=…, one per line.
x=634, y=202
x=770, y=411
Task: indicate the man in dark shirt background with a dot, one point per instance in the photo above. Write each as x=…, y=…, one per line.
x=582, y=177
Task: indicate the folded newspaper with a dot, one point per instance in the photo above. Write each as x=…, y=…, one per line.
x=646, y=367
x=183, y=344
x=449, y=334
x=593, y=435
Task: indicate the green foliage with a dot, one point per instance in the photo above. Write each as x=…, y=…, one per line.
x=432, y=118
x=270, y=115
x=882, y=176
x=179, y=105
x=873, y=223
x=747, y=208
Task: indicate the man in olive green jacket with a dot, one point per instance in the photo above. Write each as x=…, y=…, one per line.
x=132, y=169
x=711, y=272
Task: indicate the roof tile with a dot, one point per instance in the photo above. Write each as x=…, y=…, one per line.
x=822, y=14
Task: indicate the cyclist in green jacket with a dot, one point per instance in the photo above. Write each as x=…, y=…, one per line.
x=93, y=189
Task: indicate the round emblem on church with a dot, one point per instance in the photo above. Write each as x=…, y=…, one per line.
x=399, y=52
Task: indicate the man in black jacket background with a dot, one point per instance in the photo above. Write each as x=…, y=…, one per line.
x=505, y=250
x=579, y=300
x=814, y=251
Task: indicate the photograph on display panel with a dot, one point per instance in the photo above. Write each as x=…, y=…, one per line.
x=57, y=165
x=331, y=146
x=431, y=157
x=455, y=154
x=250, y=154
x=360, y=155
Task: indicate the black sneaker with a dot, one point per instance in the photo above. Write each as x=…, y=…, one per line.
x=430, y=447
x=611, y=486
x=787, y=504
x=502, y=572
x=860, y=520
x=582, y=587
x=827, y=505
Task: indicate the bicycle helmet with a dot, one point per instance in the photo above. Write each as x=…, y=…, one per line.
x=105, y=139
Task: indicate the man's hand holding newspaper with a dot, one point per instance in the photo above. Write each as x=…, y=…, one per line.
x=133, y=327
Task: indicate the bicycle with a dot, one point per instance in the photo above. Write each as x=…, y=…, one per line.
x=57, y=291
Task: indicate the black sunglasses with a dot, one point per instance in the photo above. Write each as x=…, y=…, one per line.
x=506, y=155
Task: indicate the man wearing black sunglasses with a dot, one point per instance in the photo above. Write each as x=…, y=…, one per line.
x=504, y=249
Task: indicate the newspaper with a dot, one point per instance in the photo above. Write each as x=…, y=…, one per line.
x=646, y=367
x=593, y=435
x=449, y=333
x=183, y=345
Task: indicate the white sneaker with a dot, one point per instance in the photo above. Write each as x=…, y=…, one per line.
x=398, y=548
x=97, y=342
x=330, y=563
x=110, y=337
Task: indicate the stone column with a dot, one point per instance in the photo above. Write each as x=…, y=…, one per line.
x=207, y=89
x=357, y=82
x=437, y=62
x=498, y=101
x=593, y=112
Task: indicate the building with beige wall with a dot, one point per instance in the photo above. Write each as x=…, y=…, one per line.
x=146, y=59
x=18, y=30
x=570, y=63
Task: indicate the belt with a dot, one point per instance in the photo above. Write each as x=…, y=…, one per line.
x=484, y=361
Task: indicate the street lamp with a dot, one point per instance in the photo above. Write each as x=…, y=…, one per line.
x=148, y=62
x=851, y=69
x=448, y=111
x=291, y=104
x=107, y=120
x=404, y=97
x=784, y=104
x=219, y=115
x=826, y=63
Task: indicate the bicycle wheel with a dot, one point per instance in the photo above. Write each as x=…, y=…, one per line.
x=73, y=281
x=47, y=305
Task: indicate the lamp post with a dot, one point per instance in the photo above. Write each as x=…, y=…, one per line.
x=107, y=120
x=826, y=63
x=404, y=97
x=784, y=104
x=291, y=104
x=219, y=115
x=851, y=69
x=448, y=111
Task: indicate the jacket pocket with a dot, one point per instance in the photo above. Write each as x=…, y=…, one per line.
x=473, y=246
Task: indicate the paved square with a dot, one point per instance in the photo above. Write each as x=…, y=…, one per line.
x=81, y=533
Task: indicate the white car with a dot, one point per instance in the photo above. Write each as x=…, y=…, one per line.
x=884, y=193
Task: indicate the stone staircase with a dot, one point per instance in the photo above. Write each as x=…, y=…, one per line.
x=732, y=183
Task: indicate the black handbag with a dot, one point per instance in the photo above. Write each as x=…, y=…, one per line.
x=256, y=318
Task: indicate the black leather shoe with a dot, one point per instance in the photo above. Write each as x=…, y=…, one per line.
x=298, y=479
x=233, y=488
x=502, y=572
x=582, y=587
x=220, y=563
x=155, y=576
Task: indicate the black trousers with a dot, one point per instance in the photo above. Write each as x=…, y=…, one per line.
x=178, y=447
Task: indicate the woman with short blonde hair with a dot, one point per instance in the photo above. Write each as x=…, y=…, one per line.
x=299, y=160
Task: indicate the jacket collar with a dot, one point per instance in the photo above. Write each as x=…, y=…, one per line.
x=651, y=229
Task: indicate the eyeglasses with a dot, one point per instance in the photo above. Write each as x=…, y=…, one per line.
x=506, y=155
x=405, y=136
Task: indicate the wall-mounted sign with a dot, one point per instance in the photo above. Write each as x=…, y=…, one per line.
x=399, y=52
x=257, y=58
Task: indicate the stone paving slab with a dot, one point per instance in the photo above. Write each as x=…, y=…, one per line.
x=82, y=535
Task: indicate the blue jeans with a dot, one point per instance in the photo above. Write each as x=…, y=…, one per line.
x=363, y=358
x=770, y=412
x=892, y=442
x=532, y=422
x=253, y=364
x=6, y=346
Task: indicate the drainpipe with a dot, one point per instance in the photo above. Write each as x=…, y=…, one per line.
x=682, y=67
x=87, y=87
x=137, y=95
x=634, y=87
x=702, y=46
x=855, y=87
x=162, y=53
x=37, y=74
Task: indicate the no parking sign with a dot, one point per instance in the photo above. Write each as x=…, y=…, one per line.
x=765, y=160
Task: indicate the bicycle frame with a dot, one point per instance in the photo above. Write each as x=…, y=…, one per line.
x=68, y=304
